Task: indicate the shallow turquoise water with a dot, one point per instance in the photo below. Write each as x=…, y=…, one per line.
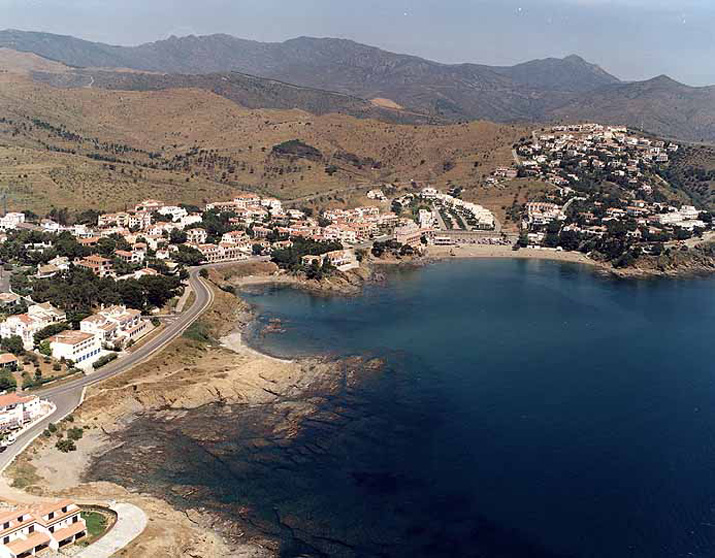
x=528, y=409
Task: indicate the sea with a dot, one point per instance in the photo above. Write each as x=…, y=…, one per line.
x=524, y=409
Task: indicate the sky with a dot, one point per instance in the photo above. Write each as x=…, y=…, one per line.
x=632, y=39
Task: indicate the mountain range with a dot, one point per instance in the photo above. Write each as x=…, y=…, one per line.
x=369, y=82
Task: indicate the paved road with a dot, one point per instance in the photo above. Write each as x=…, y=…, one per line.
x=69, y=395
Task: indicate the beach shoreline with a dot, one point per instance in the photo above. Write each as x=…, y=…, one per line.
x=487, y=251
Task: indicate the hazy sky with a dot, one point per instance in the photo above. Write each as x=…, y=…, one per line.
x=633, y=39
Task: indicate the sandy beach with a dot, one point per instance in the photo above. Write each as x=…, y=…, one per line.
x=489, y=251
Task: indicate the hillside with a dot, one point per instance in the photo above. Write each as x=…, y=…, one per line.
x=337, y=75
x=661, y=106
x=245, y=90
x=456, y=91
x=570, y=74
x=102, y=148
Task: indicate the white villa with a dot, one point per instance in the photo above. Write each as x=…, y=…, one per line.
x=116, y=325
x=18, y=410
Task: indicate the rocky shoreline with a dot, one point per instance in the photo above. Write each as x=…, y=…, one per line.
x=211, y=373
x=208, y=371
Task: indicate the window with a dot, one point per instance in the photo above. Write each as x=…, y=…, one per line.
x=31, y=529
x=5, y=540
x=51, y=515
x=75, y=519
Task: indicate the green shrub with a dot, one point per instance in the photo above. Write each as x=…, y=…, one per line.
x=75, y=433
x=66, y=446
x=103, y=361
x=198, y=331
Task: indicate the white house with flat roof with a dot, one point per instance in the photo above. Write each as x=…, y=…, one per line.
x=77, y=346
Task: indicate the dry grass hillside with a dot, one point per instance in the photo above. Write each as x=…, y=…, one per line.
x=79, y=147
x=24, y=62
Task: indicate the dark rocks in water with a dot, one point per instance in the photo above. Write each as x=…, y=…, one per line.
x=326, y=486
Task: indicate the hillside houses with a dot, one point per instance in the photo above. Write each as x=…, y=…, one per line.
x=25, y=326
x=609, y=150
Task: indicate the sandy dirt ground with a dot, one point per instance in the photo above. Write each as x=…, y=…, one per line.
x=487, y=251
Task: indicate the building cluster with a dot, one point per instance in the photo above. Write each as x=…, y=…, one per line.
x=644, y=222
x=561, y=154
x=434, y=217
x=43, y=527
x=574, y=158
x=474, y=216
x=110, y=328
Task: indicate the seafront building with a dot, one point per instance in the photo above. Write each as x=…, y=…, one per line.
x=116, y=326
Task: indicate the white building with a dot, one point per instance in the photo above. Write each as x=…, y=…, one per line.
x=77, y=346
x=190, y=220
x=196, y=236
x=11, y=220
x=274, y=206
x=116, y=325
x=25, y=326
x=174, y=211
x=18, y=410
x=30, y=530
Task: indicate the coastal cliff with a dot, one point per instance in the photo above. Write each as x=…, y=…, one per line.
x=698, y=260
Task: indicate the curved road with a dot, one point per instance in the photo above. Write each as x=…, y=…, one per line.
x=68, y=396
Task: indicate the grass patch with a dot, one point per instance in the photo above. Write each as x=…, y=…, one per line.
x=23, y=475
x=96, y=523
x=198, y=331
x=190, y=300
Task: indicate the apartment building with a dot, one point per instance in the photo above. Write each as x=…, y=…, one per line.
x=196, y=236
x=77, y=346
x=116, y=325
x=17, y=410
x=97, y=264
x=26, y=325
x=30, y=530
x=216, y=253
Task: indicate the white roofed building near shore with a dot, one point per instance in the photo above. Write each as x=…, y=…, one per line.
x=116, y=326
x=77, y=346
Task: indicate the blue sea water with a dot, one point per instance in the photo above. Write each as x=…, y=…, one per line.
x=527, y=409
